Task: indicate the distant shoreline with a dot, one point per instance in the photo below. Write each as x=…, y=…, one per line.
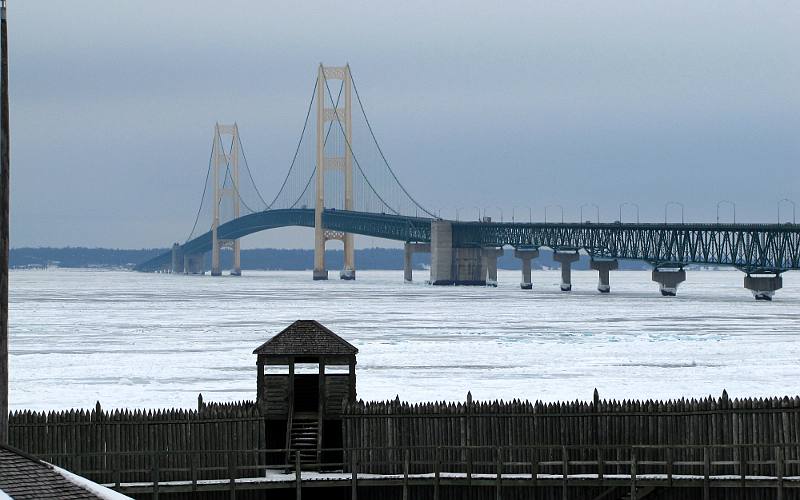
x=263, y=259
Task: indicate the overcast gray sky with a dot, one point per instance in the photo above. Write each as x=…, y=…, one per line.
x=475, y=103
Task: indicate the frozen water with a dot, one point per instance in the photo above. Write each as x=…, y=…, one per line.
x=155, y=340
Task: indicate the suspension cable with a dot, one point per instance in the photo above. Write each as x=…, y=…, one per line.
x=249, y=173
x=355, y=159
x=324, y=143
x=228, y=175
x=297, y=149
x=203, y=197
x=385, y=161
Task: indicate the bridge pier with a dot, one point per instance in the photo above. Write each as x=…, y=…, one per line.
x=193, y=264
x=441, y=253
x=408, y=253
x=526, y=255
x=237, y=261
x=216, y=269
x=603, y=266
x=668, y=279
x=566, y=258
x=177, y=259
x=489, y=257
x=454, y=265
x=763, y=287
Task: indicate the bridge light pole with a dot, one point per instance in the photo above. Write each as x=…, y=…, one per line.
x=729, y=203
x=458, y=209
x=554, y=206
x=501, y=213
x=631, y=204
x=513, y=213
x=676, y=203
x=597, y=211
x=477, y=209
x=787, y=200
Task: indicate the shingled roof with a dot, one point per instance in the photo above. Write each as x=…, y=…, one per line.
x=306, y=337
x=26, y=477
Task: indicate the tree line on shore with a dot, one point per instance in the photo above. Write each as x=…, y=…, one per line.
x=256, y=259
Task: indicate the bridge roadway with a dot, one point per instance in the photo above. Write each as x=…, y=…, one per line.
x=753, y=248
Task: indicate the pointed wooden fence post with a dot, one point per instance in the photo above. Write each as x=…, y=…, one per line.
x=354, y=479
x=406, y=465
x=633, y=473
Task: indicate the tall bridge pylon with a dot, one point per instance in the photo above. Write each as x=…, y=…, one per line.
x=226, y=194
x=340, y=160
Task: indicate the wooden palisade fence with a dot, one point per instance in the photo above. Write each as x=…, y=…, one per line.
x=379, y=433
x=710, y=421
x=74, y=439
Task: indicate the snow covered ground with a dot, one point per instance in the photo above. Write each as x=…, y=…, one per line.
x=148, y=340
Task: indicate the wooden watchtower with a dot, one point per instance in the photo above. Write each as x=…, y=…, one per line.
x=306, y=374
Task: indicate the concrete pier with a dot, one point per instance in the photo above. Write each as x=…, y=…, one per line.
x=347, y=274
x=566, y=258
x=526, y=255
x=763, y=286
x=237, y=264
x=469, y=266
x=489, y=256
x=408, y=256
x=215, y=271
x=177, y=259
x=441, y=253
x=454, y=266
x=668, y=280
x=320, y=274
x=193, y=264
x=603, y=266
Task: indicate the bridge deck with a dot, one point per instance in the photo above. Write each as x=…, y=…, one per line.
x=750, y=247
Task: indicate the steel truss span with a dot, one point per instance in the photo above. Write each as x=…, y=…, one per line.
x=753, y=248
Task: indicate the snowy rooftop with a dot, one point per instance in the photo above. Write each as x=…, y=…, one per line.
x=306, y=338
x=25, y=476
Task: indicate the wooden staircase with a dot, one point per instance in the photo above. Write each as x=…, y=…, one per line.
x=303, y=441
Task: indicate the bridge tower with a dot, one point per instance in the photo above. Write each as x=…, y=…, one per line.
x=226, y=166
x=339, y=115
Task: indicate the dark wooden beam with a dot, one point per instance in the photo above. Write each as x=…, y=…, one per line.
x=4, y=206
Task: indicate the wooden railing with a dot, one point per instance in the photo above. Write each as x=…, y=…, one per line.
x=631, y=466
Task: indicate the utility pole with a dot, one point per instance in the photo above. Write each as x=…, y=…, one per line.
x=4, y=202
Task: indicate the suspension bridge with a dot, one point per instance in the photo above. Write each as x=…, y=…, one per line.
x=340, y=183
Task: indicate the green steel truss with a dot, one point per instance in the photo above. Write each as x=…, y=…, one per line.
x=753, y=248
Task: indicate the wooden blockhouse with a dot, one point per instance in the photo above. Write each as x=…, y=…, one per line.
x=306, y=374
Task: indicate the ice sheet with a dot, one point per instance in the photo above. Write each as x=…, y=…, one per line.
x=156, y=340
